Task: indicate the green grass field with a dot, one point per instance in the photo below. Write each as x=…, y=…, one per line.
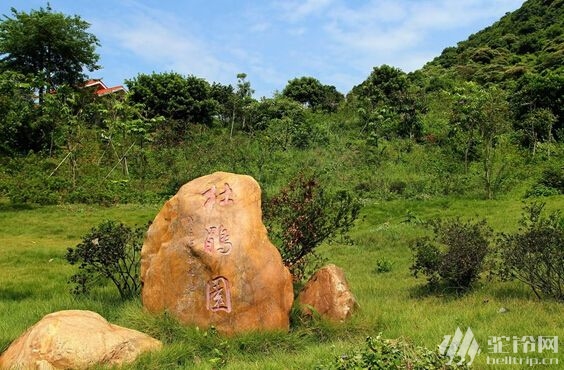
x=34, y=278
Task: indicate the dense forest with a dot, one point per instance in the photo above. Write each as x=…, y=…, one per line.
x=484, y=119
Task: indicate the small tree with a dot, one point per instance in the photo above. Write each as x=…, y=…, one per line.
x=302, y=216
x=109, y=251
x=535, y=254
x=454, y=255
x=242, y=99
x=389, y=104
x=479, y=119
x=537, y=127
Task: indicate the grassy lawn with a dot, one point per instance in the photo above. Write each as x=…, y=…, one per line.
x=34, y=278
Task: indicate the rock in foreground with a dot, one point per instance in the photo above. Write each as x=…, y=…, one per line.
x=328, y=293
x=75, y=339
x=207, y=259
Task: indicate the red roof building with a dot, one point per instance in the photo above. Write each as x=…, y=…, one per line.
x=100, y=88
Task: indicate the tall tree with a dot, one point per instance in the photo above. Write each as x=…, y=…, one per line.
x=52, y=47
x=389, y=104
x=180, y=100
x=312, y=93
x=19, y=131
x=540, y=91
x=242, y=99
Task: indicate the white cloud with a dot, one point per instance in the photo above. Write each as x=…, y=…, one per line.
x=445, y=14
x=374, y=40
x=260, y=27
x=298, y=10
x=400, y=32
x=161, y=39
x=278, y=40
x=297, y=31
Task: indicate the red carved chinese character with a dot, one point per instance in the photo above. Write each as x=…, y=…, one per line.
x=218, y=295
x=224, y=244
x=220, y=235
x=210, y=195
x=225, y=195
x=209, y=244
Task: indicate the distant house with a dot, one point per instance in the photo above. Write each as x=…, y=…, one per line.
x=99, y=88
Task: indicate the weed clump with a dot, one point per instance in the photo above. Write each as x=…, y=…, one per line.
x=380, y=353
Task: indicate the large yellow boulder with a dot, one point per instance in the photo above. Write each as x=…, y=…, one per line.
x=207, y=259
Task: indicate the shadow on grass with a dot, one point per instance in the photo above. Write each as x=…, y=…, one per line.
x=513, y=291
x=14, y=294
x=4, y=344
x=7, y=207
x=446, y=293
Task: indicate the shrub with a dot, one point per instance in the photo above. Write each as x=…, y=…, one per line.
x=539, y=190
x=535, y=253
x=36, y=190
x=383, y=353
x=302, y=216
x=553, y=177
x=109, y=251
x=28, y=181
x=454, y=255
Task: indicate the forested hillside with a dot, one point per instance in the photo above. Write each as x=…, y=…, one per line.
x=522, y=53
x=528, y=40
x=483, y=120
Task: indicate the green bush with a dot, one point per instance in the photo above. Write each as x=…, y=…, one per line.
x=454, y=256
x=28, y=180
x=553, y=177
x=381, y=353
x=398, y=187
x=110, y=251
x=539, y=190
x=302, y=216
x=535, y=253
x=38, y=189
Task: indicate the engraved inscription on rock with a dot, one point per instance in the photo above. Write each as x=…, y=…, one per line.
x=208, y=261
x=218, y=296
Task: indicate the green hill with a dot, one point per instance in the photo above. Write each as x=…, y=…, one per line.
x=528, y=40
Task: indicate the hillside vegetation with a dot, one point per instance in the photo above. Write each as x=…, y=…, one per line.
x=528, y=40
x=436, y=132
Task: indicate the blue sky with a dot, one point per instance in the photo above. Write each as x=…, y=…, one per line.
x=273, y=41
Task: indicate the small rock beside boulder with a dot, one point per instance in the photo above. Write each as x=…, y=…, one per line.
x=75, y=339
x=328, y=293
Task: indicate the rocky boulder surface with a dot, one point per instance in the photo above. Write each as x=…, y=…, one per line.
x=75, y=339
x=208, y=261
x=328, y=293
